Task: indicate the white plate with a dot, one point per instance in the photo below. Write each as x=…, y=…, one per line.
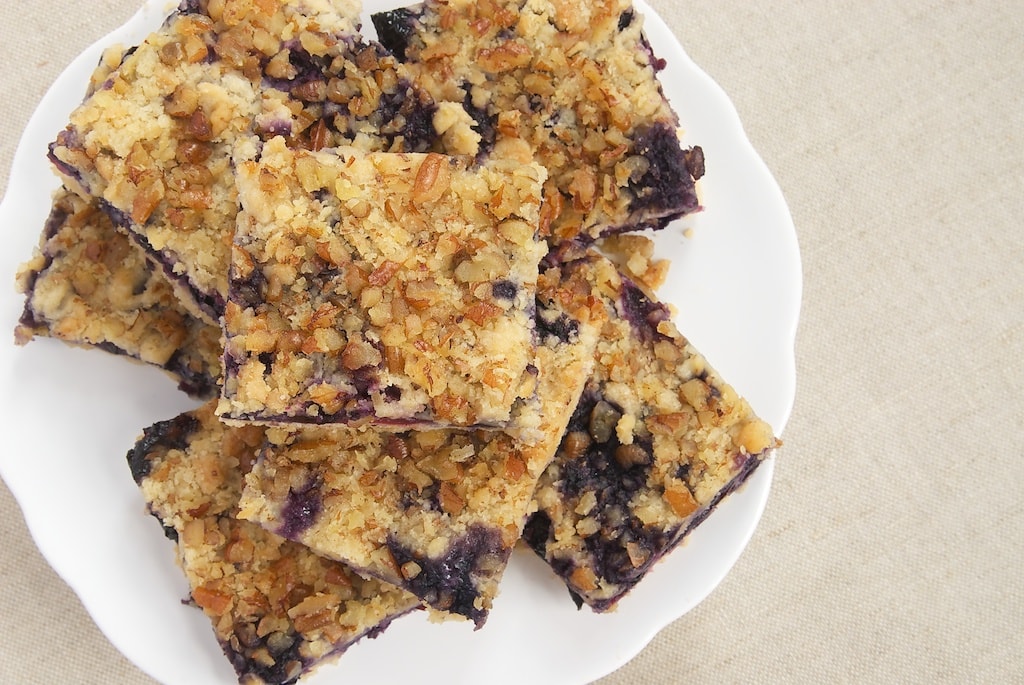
x=72, y=415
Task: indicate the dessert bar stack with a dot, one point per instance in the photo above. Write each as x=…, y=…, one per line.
x=404, y=277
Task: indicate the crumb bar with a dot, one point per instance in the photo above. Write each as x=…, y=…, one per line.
x=89, y=285
x=573, y=82
x=386, y=288
x=655, y=443
x=153, y=143
x=277, y=609
x=435, y=512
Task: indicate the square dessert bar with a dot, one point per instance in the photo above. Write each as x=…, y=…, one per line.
x=435, y=512
x=575, y=83
x=386, y=288
x=89, y=285
x=657, y=440
x=153, y=142
x=277, y=609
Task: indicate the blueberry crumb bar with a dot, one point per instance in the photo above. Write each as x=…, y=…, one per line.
x=436, y=512
x=277, y=609
x=89, y=285
x=657, y=440
x=153, y=142
x=395, y=289
x=573, y=82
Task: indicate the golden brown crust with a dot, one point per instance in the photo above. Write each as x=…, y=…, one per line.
x=657, y=440
x=154, y=140
x=89, y=285
x=436, y=512
x=277, y=609
x=572, y=83
x=395, y=289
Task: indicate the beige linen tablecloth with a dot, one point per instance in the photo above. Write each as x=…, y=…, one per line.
x=892, y=545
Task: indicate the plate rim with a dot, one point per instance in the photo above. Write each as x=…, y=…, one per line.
x=658, y=32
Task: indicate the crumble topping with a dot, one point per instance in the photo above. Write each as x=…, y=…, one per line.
x=277, y=609
x=655, y=442
x=87, y=284
x=369, y=228
x=153, y=143
x=573, y=82
x=397, y=288
x=435, y=512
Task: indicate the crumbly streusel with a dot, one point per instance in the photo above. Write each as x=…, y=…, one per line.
x=390, y=288
x=88, y=284
x=575, y=84
x=656, y=441
x=277, y=609
x=153, y=143
x=436, y=512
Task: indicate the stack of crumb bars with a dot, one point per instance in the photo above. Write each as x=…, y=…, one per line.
x=407, y=280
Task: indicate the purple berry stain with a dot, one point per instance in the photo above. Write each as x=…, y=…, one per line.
x=300, y=510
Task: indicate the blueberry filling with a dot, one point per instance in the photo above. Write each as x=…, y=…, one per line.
x=191, y=7
x=287, y=662
x=308, y=68
x=300, y=510
x=625, y=19
x=591, y=459
x=278, y=127
x=57, y=218
x=694, y=159
x=449, y=583
x=504, y=290
x=657, y=63
x=563, y=328
x=485, y=124
x=394, y=29
x=643, y=314
x=191, y=382
x=667, y=184
x=419, y=133
x=173, y=434
x=248, y=292
x=211, y=303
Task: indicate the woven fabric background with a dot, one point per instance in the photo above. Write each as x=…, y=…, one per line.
x=892, y=545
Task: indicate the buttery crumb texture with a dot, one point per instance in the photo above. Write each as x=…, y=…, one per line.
x=88, y=285
x=277, y=609
x=153, y=143
x=572, y=84
x=655, y=443
x=381, y=259
x=384, y=288
x=435, y=512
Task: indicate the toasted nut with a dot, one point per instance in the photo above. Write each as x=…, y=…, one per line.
x=211, y=600
x=410, y=570
x=199, y=126
x=505, y=57
x=603, y=419
x=182, y=102
x=397, y=448
x=696, y=393
x=358, y=354
x=629, y=456
x=575, y=444
x=432, y=179
x=383, y=273
x=449, y=500
x=584, y=579
x=320, y=137
x=680, y=499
